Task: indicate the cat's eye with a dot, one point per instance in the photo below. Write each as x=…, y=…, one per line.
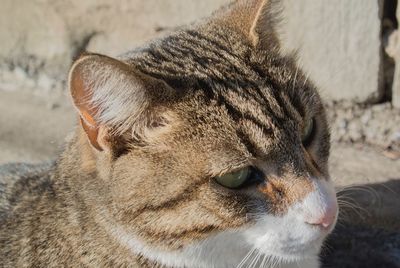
x=308, y=131
x=235, y=179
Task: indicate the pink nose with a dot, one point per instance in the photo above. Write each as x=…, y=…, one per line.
x=326, y=219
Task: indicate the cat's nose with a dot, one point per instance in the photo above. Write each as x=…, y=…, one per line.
x=326, y=219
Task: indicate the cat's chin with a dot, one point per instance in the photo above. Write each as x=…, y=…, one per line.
x=299, y=255
x=293, y=253
x=300, y=245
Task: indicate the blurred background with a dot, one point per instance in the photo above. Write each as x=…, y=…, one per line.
x=349, y=48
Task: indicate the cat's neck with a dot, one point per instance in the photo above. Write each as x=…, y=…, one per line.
x=83, y=190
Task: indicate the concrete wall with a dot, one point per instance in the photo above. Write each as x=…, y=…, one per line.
x=40, y=37
x=339, y=44
x=338, y=41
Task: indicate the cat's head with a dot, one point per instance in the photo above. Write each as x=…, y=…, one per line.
x=210, y=143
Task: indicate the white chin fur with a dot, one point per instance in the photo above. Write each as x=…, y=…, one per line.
x=283, y=242
x=224, y=250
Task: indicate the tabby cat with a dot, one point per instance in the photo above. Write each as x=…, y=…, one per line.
x=206, y=148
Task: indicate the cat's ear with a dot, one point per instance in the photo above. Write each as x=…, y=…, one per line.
x=112, y=97
x=256, y=19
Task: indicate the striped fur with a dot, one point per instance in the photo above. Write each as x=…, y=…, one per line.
x=134, y=186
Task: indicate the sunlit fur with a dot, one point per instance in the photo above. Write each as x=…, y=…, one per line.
x=135, y=184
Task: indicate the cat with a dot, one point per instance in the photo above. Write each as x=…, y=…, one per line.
x=205, y=148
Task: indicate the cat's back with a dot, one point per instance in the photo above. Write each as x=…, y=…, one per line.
x=24, y=191
x=22, y=183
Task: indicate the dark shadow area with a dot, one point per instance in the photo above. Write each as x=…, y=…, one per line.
x=389, y=24
x=368, y=231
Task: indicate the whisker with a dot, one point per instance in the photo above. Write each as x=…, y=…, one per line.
x=295, y=77
x=244, y=260
x=255, y=260
x=391, y=190
x=356, y=208
x=361, y=188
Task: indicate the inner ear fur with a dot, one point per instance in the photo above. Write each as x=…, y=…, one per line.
x=111, y=95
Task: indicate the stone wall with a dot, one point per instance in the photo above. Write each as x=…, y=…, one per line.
x=338, y=42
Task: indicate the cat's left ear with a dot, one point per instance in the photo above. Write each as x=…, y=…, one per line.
x=113, y=98
x=256, y=19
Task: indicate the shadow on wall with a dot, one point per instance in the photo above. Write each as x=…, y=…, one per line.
x=368, y=231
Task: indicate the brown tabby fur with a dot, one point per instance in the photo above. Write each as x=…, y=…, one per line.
x=213, y=97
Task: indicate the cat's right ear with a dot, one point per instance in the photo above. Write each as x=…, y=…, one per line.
x=255, y=19
x=112, y=97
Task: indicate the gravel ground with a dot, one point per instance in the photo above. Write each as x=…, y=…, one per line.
x=374, y=124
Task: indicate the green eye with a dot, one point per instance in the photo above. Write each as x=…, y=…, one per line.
x=234, y=179
x=308, y=131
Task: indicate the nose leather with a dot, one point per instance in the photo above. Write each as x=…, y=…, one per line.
x=327, y=218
